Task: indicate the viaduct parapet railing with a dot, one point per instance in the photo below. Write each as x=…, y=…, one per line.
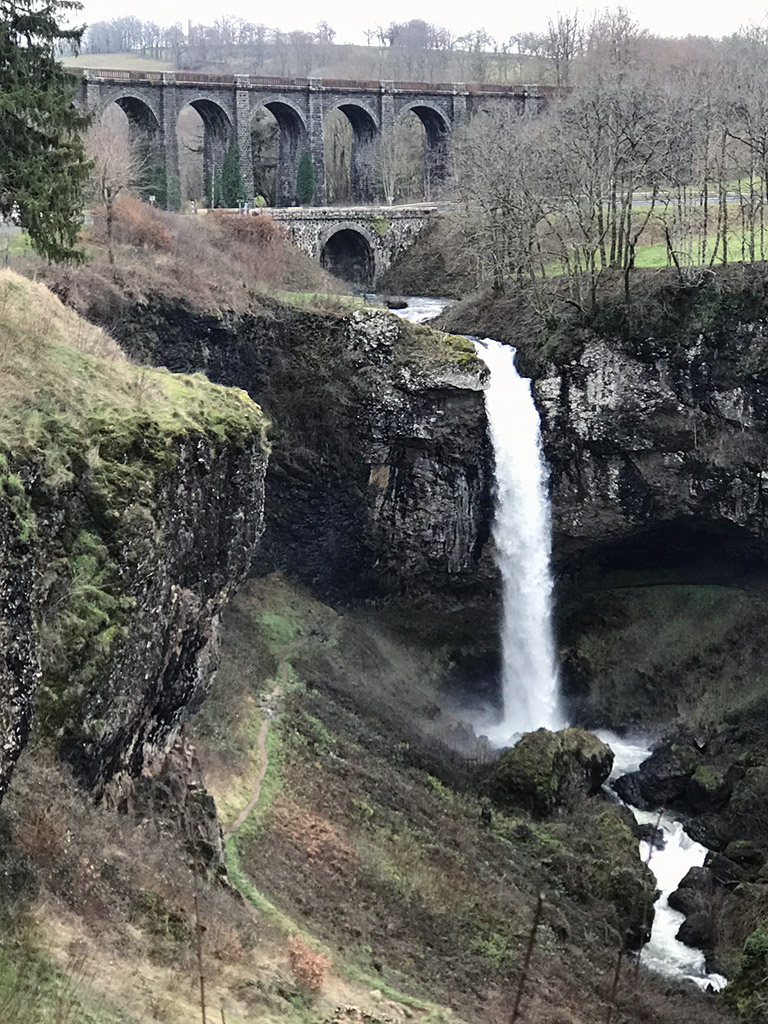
x=153, y=100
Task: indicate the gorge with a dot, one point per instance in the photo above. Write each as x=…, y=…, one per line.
x=368, y=620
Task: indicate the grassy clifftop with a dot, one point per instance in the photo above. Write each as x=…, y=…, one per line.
x=65, y=384
x=89, y=445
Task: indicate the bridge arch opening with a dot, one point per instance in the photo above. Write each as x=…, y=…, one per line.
x=278, y=138
x=128, y=134
x=204, y=134
x=434, y=145
x=338, y=143
x=362, y=151
x=348, y=254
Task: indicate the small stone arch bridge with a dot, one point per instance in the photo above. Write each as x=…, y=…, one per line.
x=152, y=101
x=356, y=243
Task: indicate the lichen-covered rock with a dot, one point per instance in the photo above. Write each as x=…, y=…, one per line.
x=748, y=991
x=549, y=771
x=208, y=515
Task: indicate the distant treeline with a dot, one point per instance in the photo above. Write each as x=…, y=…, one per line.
x=413, y=50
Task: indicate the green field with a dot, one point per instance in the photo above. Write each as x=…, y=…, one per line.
x=119, y=61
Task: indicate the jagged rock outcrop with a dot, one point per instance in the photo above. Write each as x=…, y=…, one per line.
x=381, y=468
x=548, y=772
x=197, y=548
x=662, y=438
x=130, y=507
x=18, y=661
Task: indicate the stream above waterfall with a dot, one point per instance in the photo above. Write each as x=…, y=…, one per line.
x=528, y=652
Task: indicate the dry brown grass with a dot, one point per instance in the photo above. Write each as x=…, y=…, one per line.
x=321, y=842
x=212, y=262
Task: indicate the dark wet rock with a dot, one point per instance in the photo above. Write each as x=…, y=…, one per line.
x=650, y=834
x=688, y=901
x=662, y=779
x=711, y=830
x=392, y=302
x=665, y=775
x=698, y=930
x=547, y=771
x=629, y=789
x=381, y=471
x=726, y=871
x=707, y=790
x=746, y=854
x=698, y=879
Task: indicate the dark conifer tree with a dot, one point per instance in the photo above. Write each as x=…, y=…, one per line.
x=43, y=168
x=305, y=179
x=232, y=189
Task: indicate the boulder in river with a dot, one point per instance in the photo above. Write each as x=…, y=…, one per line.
x=698, y=931
x=550, y=771
x=687, y=901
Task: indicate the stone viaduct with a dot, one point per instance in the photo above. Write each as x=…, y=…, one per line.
x=152, y=101
x=356, y=243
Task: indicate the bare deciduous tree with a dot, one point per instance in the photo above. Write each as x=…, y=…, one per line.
x=117, y=168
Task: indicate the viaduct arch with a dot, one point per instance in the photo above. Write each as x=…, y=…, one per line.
x=152, y=101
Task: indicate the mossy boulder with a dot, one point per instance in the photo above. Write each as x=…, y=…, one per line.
x=548, y=771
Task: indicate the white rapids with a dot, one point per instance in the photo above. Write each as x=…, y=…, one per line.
x=663, y=953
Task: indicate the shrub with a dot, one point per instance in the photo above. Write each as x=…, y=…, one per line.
x=137, y=223
x=232, y=190
x=309, y=968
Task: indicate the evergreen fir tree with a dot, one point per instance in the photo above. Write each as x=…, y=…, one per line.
x=173, y=193
x=305, y=179
x=43, y=168
x=232, y=190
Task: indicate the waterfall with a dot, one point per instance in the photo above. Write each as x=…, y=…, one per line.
x=521, y=532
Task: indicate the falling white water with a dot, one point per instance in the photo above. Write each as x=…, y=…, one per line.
x=521, y=532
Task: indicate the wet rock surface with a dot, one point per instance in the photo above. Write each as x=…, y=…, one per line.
x=381, y=468
x=655, y=442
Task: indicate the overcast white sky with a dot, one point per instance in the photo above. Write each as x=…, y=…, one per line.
x=351, y=17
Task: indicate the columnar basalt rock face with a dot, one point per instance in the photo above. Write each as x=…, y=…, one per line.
x=381, y=469
x=657, y=434
x=194, y=554
x=178, y=566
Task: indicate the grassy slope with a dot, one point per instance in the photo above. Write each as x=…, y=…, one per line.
x=706, y=643
x=64, y=378
x=368, y=836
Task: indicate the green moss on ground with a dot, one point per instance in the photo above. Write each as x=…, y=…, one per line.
x=654, y=654
x=748, y=991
